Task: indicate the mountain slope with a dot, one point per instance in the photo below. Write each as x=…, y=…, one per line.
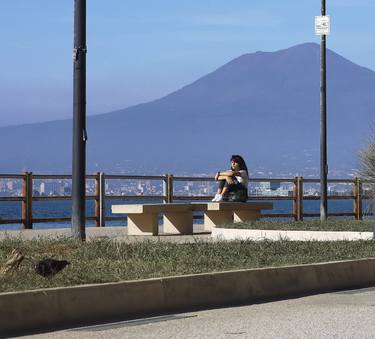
x=264, y=105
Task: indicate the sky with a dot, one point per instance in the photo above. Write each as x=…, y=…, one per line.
x=141, y=50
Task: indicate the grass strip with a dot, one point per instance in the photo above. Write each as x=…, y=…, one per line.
x=306, y=225
x=103, y=261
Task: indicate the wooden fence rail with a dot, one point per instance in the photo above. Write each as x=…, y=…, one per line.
x=168, y=181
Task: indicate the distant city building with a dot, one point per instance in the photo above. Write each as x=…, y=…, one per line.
x=270, y=186
x=67, y=190
x=50, y=188
x=267, y=188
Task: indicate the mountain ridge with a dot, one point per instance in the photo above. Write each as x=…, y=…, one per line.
x=257, y=104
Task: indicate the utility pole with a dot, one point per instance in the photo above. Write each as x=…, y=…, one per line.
x=79, y=122
x=323, y=123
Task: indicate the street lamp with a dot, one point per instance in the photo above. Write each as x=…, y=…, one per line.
x=79, y=122
x=322, y=29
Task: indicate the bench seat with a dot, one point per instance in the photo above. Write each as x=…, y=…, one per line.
x=143, y=219
x=221, y=213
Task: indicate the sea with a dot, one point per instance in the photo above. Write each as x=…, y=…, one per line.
x=63, y=208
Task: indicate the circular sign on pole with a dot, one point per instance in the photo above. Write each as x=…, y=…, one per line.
x=322, y=25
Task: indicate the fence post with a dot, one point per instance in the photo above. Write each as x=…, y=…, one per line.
x=300, y=198
x=170, y=187
x=27, y=201
x=102, y=199
x=358, y=199
x=295, y=198
x=165, y=189
x=97, y=199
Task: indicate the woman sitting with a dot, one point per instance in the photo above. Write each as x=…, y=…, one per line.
x=233, y=183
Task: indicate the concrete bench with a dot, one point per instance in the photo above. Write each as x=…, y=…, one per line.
x=143, y=219
x=220, y=213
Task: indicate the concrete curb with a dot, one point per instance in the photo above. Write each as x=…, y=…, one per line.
x=22, y=312
x=258, y=235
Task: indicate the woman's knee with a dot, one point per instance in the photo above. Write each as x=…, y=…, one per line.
x=222, y=183
x=229, y=181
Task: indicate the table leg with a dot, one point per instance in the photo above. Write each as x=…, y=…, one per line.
x=243, y=215
x=143, y=224
x=216, y=218
x=178, y=222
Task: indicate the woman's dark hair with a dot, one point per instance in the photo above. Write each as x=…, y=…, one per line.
x=239, y=160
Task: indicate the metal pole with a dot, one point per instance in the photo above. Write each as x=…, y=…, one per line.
x=79, y=122
x=323, y=125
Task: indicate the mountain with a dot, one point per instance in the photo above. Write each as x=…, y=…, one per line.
x=263, y=105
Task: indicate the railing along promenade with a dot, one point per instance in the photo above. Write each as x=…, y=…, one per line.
x=168, y=181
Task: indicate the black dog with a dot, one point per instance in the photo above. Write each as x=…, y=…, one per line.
x=49, y=267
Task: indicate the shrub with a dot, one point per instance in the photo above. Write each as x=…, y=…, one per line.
x=367, y=161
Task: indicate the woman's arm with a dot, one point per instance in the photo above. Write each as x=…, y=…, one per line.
x=222, y=175
x=227, y=173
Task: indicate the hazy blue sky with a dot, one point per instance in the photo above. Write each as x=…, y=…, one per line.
x=140, y=50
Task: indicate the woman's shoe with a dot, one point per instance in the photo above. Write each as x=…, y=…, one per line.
x=219, y=198
x=216, y=197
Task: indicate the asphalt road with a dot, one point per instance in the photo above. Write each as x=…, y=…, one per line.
x=346, y=314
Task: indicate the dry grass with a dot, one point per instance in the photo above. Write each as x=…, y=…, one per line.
x=108, y=261
x=307, y=225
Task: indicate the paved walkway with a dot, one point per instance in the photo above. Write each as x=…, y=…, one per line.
x=346, y=314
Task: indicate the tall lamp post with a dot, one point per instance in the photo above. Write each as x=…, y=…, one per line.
x=322, y=29
x=79, y=122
